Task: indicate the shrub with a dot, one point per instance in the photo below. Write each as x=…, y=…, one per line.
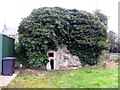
x=46, y=28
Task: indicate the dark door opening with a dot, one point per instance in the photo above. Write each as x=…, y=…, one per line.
x=52, y=64
x=51, y=54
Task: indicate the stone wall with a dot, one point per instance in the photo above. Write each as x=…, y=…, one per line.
x=63, y=58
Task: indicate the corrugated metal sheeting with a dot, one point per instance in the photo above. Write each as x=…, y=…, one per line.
x=6, y=48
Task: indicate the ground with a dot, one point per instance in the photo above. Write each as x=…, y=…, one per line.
x=86, y=77
x=105, y=75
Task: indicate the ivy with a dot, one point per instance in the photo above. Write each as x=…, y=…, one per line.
x=46, y=28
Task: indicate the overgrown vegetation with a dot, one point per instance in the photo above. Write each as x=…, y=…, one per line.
x=114, y=42
x=79, y=78
x=46, y=28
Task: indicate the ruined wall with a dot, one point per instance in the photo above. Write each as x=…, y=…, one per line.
x=64, y=59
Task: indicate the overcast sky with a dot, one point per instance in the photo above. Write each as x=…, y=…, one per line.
x=12, y=11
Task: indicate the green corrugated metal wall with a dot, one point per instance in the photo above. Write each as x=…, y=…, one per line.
x=6, y=48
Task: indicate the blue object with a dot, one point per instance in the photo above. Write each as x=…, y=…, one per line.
x=8, y=66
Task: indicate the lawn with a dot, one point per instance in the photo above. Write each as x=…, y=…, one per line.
x=77, y=78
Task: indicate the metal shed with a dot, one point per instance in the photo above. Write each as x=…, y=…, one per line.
x=6, y=48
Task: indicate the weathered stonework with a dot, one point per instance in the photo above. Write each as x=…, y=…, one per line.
x=61, y=59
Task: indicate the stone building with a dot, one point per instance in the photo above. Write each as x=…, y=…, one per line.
x=61, y=59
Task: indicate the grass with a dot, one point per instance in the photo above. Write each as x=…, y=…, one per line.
x=78, y=78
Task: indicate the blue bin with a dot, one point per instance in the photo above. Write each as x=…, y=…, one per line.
x=8, y=66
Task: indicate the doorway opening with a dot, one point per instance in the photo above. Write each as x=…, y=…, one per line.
x=52, y=64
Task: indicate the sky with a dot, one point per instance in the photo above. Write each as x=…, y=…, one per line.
x=12, y=11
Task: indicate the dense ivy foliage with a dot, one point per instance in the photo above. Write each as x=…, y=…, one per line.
x=46, y=28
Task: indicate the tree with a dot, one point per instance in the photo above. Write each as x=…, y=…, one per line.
x=103, y=18
x=113, y=41
x=48, y=27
